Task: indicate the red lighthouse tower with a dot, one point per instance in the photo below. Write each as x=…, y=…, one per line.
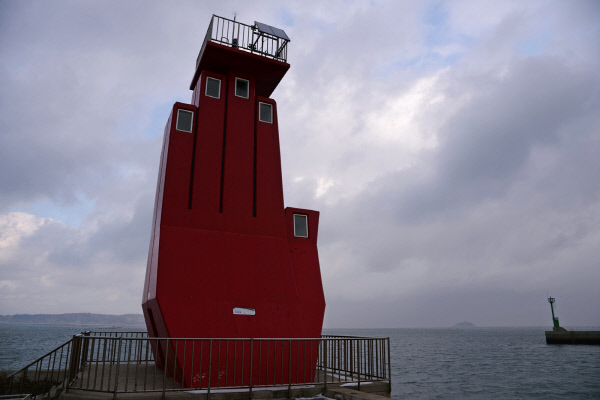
x=226, y=259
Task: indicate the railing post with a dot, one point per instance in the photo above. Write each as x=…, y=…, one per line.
x=389, y=361
x=209, y=368
x=10, y=383
x=24, y=379
x=84, y=350
x=117, y=370
x=251, y=359
x=66, y=380
x=370, y=358
x=36, y=379
x=74, y=364
x=351, y=341
x=290, y=368
x=165, y=367
x=358, y=351
x=346, y=367
x=325, y=360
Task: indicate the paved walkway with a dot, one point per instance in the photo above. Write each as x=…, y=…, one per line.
x=140, y=381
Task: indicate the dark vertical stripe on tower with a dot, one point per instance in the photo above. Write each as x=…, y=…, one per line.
x=254, y=169
x=224, y=142
x=195, y=122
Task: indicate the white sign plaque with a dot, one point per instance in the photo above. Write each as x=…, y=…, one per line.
x=244, y=311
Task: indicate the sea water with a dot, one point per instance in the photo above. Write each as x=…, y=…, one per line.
x=486, y=363
x=466, y=363
x=22, y=344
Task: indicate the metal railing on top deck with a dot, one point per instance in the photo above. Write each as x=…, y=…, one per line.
x=244, y=37
x=124, y=362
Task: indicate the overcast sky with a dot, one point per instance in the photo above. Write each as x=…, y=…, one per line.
x=452, y=148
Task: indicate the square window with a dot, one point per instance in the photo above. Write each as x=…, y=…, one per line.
x=242, y=88
x=265, y=112
x=184, y=120
x=213, y=87
x=300, y=225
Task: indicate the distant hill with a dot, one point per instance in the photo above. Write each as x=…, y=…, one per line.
x=75, y=319
x=464, y=325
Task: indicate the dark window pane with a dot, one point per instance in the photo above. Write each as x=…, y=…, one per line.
x=300, y=225
x=242, y=87
x=184, y=120
x=213, y=87
x=265, y=112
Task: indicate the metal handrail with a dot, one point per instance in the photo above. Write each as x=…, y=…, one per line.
x=58, y=367
x=244, y=37
x=138, y=364
x=126, y=362
x=39, y=377
x=126, y=334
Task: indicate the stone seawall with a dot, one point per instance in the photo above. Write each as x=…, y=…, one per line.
x=573, y=337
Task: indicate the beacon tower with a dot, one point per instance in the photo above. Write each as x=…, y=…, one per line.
x=226, y=259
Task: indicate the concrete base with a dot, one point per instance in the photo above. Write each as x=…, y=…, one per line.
x=149, y=378
x=337, y=393
x=373, y=391
x=353, y=394
x=562, y=336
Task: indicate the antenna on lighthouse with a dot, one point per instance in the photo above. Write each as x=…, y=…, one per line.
x=234, y=40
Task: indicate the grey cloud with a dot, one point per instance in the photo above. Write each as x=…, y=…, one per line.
x=495, y=132
x=488, y=144
x=503, y=208
x=507, y=201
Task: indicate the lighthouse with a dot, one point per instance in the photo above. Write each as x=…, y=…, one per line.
x=226, y=258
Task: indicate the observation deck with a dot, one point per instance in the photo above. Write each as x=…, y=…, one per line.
x=259, y=49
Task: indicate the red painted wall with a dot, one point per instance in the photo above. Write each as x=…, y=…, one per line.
x=221, y=237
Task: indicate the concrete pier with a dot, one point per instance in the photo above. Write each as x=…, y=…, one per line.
x=150, y=386
x=563, y=336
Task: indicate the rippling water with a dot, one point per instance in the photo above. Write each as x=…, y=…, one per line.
x=472, y=363
x=22, y=344
x=483, y=363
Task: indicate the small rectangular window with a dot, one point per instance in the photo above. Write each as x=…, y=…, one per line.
x=300, y=225
x=184, y=120
x=242, y=88
x=265, y=112
x=213, y=87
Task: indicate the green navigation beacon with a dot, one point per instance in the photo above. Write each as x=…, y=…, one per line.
x=551, y=300
x=560, y=335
